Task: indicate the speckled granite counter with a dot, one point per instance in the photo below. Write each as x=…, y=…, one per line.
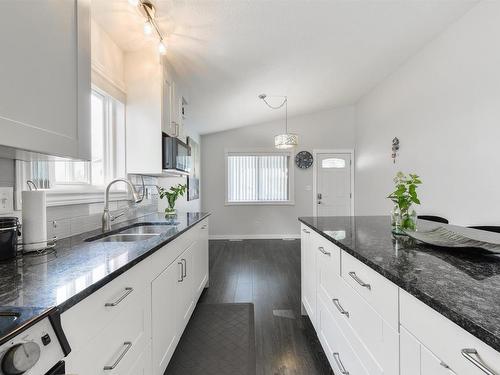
x=77, y=268
x=463, y=285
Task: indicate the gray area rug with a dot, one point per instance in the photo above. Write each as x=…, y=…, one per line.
x=218, y=340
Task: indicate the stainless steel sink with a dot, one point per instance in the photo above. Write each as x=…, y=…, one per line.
x=128, y=237
x=147, y=229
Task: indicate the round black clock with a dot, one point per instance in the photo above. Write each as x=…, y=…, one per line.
x=303, y=159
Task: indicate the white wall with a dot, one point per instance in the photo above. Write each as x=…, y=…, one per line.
x=444, y=106
x=327, y=129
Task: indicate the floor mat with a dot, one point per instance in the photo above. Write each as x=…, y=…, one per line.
x=218, y=340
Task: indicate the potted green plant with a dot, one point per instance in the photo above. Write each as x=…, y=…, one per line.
x=172, y=194
x=403, y=216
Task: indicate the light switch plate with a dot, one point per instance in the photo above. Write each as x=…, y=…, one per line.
x=6, y=200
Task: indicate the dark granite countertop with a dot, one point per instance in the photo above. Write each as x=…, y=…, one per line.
x=76, y=269
x=463, y=285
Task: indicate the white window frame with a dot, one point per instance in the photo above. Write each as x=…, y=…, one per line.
x=257, y=152
x=71, y=193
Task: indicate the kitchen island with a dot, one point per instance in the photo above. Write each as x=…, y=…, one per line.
x=416, y=292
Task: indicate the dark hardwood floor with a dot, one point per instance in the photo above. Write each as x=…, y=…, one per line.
x=267, y=273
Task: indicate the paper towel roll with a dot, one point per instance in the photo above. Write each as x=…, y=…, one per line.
x=34, y=229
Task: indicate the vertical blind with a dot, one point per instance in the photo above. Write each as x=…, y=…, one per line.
x=257, y=178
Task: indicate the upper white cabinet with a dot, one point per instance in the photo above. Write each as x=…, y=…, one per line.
x=153, y=101
x=45, y=76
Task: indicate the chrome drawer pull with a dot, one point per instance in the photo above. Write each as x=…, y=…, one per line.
x=336, y=357
x=185, y=268
x=473, y=356
x=204, y=227
x=182, y=272
x=117, y=302
x=359, y=281
x=305, y=231
x=322, y=249
x=127, y=345
x=339, y=307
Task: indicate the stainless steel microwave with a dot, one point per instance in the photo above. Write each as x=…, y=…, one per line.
x=176, y=154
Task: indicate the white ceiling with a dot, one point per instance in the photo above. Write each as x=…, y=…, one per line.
x=321, y=54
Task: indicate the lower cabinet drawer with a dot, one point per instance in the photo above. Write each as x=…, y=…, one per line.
x=380, y=293
x=373, y=340
x=88, y=318
x=463, y=353
x=115, y=350
x=340, y=354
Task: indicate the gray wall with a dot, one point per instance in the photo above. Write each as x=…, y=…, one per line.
x=444, y=105
x=330, y=129
x=7, y=177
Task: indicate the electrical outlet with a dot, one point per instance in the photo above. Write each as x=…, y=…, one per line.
x=6, y=200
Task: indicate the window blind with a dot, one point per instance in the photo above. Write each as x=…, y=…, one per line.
x=257, y=178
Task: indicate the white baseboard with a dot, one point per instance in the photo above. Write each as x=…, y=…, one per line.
x=254, y=236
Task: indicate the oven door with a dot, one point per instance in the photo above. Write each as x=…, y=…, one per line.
x=59, y=369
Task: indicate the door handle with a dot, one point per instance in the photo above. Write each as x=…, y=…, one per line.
x=339, y=307
x=123, y=296
x=305, y=231
x=127, y=345
x=322, y=249
x=182, y=272
x=185, y=268
x=473, y=356
x=343, y=371
x=320, y=196
x=359, y=281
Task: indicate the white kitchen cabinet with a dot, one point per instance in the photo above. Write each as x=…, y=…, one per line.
x=172, y=120
x=167, y=311
x=45, y=77
x=142, y=313
x=416, y=359
x=308, y=273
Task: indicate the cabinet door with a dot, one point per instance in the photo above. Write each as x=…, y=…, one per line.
x=308, y=273
x=188, y=285
x=166, y=292
x=168, y=125
x=432, y=365
x=45, y=76
x=200, y=260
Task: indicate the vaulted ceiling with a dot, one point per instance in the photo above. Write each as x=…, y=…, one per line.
x=321, y=54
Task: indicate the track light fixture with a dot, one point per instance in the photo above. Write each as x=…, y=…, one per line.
x=148, y=10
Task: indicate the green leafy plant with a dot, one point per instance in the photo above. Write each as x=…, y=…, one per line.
x=404, y=196
x=172, y=194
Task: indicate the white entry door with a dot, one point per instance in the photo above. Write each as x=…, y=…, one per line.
x=333, y=184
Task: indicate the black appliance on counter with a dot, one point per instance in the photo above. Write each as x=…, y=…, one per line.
x=9, y=233
x=176, y=155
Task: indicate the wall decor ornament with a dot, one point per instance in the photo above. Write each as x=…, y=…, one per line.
x=395, y=149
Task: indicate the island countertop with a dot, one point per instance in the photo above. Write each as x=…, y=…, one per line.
x=76, y=268
x=461, y=284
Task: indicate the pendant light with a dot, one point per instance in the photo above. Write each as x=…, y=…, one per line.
x=286, y=140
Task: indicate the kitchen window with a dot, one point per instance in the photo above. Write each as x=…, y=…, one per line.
x=259, y=178
x=83, y=178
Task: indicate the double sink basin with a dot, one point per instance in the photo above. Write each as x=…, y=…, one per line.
x=137, y=232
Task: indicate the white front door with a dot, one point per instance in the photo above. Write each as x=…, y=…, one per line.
x=333, y=184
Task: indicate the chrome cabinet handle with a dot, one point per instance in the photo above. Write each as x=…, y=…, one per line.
x=182, y=272
x=336, y=357
x=204, y=227
x=305, y=231
x=127, y=345
x=185, y=268
x=339, y=307
x=473, y=356
x=359, y=281
x=322, y=249
x=128, y=290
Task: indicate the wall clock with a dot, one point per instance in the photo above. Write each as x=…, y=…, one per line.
x=303, y=159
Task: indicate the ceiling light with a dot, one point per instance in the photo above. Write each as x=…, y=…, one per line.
x=133, y=2
x=286, y=140
x=148, y=27
x=162, y=48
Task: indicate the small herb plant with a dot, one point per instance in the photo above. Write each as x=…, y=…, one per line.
x=172, y=194
x=404, y=196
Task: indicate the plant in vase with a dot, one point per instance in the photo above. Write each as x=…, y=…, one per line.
x=403, y=216
x=172, y=194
